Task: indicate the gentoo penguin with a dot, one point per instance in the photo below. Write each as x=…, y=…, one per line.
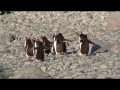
x=59, y=43
x=84, y=44
x=64, y=41
x=47, y=44
x=29, y=47
x=39, y=50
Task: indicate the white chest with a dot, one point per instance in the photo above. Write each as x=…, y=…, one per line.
x=55, y=45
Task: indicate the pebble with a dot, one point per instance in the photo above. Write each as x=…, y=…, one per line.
x=43, y=69
x=73, y=67
x=103, y=67
x=11, y=38
x=27, y=63
x=67, y=65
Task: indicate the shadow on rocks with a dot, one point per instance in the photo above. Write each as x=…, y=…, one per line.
x=94, y=49
x=103, y=49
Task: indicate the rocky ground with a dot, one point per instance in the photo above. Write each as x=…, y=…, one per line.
x=16, y=26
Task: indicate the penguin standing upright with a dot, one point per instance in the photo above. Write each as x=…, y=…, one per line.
x=59, y=43
x=46, y=44
x=39, y=49
x=29, y=47
x=84, y=44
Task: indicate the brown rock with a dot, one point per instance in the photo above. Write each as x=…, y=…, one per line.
x=113, y=21
x=115, y=47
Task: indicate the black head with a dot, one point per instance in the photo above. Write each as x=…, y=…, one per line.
x=29, y=41
x=59, y=37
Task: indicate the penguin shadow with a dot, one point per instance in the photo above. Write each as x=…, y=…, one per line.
x=103, y=49
x=94, y=49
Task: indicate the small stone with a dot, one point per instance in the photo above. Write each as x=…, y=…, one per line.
x=49, y=68
x=84, y=21
x=111, y=63
x=67, y=65
x=39, y=64
x=59, y=68
x=27, y=63
x=11, y=38
x=52, y=72
x=1, y=48
x=103, y=66
x=60, y=63
x=73, y=67
x=43, y=69
x=67, y=77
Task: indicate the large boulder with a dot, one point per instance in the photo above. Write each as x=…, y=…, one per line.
x=30, y=72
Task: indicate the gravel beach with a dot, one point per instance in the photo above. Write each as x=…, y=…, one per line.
x=14, y=27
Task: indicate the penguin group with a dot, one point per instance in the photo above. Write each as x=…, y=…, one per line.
x=41, y=47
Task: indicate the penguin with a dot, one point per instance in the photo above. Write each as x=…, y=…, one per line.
x=84, y=43
x=59, y=43
x=39, y=51
x=47, y=45
x=29, y=47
